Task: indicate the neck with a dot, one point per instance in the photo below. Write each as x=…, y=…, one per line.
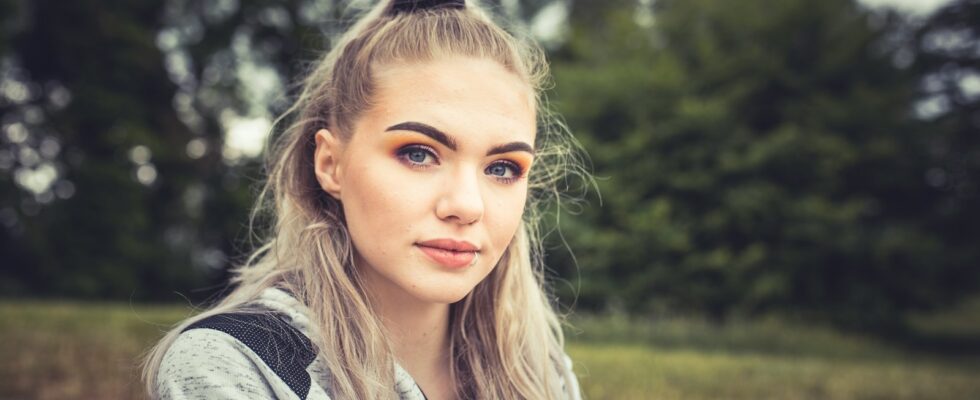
x=418, y=329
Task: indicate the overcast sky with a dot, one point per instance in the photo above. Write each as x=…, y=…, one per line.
x=918, y=7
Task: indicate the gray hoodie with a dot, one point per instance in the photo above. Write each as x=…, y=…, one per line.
x=244, y=359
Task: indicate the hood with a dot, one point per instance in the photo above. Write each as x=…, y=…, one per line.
x=283, y=302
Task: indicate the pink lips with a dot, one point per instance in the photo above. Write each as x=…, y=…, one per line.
x=448, y=252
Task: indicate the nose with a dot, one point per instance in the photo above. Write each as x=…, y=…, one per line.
x=461, y=201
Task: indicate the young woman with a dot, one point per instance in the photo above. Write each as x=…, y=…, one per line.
x=405, y=260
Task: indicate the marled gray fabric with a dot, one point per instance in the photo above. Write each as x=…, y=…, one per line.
x=210, y=364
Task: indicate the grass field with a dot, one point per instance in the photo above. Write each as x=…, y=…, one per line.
x=88, y=351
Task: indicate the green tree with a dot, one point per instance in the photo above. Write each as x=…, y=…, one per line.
x=87, y=106
x=758, y=156
x=948, y=59
x=115, y=177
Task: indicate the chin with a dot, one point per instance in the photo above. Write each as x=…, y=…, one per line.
x=444, y=295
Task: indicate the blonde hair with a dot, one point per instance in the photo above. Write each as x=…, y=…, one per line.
x=505, y=335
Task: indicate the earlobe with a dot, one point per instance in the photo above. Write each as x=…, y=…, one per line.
x=326, y=162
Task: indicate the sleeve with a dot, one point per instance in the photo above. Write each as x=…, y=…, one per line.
x=209, y=364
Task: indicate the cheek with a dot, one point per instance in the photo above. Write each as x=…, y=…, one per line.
x=382, y=204
x=375, y=206
x=507, y=215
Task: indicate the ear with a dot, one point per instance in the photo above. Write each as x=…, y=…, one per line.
x=326, y=162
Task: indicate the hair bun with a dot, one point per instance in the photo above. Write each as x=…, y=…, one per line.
x=399, y=6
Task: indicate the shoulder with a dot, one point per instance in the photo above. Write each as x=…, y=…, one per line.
x=237, y=355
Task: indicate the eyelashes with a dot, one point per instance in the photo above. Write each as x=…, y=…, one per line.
x=415, y=155
x=419, y=156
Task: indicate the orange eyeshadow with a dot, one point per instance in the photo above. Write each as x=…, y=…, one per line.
x=396, y=141
x=520, y=158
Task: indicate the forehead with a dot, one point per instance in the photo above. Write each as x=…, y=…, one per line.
x=472, y=99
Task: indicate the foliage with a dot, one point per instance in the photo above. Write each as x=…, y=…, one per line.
x=90, y=87
x=811, y=158
x=758, y=161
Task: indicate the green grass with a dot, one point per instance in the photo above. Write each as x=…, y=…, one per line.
x=64, y=350
x=688, y=358
x=619, y=371
x=76, y=350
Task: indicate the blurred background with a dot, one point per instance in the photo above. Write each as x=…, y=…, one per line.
x=788, y=205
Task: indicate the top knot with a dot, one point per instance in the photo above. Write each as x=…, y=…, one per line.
x=400, y=6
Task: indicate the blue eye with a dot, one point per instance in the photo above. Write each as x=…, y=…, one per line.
x=505, y=171
x=497, y=169
x=416, y=155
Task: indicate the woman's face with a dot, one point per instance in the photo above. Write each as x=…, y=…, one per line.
x=434, y=178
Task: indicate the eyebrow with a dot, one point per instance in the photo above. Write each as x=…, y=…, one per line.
x=450, y=142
